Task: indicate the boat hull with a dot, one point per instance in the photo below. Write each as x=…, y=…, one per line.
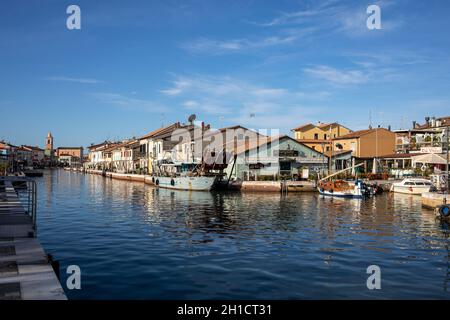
x=354, y=194
x=414, y=190
x=33, y=173
x=185, y=183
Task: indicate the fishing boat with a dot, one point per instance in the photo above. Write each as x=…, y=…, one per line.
x=179, y=177
x=415, y=186
x=341, y=188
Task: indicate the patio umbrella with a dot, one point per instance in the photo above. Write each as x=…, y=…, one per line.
x=430, y=158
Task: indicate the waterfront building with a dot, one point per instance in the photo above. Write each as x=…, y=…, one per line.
x=319, y=136
x=70, y=151
x=341, y=159
x=37, y=154
x=22, y=157
x=273, y=158
x=6, y=157
x=213, y=148
x=151, y=146
x=69, y=161
x=125, y=156
x=97, y=155
x=72, y=156
x=425, y=138
x=367, y=145
x=170, y=143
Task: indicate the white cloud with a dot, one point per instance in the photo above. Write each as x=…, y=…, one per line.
x=243, y=102
x=301, y=16
x=210, y=46
x=336, y=17
x=128, y=103
x=190, y=104
x=339, y=77
x=77, y=80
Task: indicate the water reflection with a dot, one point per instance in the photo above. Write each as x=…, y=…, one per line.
x=136, y=241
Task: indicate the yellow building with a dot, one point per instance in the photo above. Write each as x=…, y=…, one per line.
x=319, y=136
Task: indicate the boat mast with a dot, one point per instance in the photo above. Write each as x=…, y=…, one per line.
x=341, y=171
x=330, y=160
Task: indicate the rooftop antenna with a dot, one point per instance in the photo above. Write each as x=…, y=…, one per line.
x=382, y=118
x=370, y=118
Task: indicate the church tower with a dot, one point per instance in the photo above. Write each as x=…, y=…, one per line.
x=49, y=144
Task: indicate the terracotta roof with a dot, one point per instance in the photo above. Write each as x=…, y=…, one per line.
x=260, y=141
x=319, y=125
x=357, y=134
x=160, y=131
x=302, y=126
x=98, y=145
x=120, y=145
x=445, y=121
x=33, y=148
x=111, y=147
x=323, y=125
x=224, y=130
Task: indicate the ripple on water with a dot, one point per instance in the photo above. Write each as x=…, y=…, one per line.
x=133, y=241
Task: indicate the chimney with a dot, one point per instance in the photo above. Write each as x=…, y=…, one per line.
x=414, y=124
x=427, y=120
x=389, y=127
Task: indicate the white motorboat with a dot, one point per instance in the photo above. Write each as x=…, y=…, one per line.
x=412, y=186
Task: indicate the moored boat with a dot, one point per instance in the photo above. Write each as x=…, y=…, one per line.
x=341, y=188
x=172, y=176
x=195, y=183
x=415, y=186
x=31, y=172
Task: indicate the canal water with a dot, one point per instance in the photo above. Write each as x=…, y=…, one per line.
x=133, y=241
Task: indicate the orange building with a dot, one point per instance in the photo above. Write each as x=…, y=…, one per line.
x=70, y=151
x=368, y=144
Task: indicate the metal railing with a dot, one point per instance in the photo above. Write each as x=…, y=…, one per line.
x=26, y=191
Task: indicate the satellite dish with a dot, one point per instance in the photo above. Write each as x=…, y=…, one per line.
x=192, y=118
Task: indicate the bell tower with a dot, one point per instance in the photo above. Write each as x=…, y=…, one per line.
x=49, y=143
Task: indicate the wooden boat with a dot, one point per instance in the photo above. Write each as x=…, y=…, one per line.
x=415, y=186
x=342, y=188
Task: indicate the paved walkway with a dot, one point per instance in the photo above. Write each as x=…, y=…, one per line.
x=25, y=272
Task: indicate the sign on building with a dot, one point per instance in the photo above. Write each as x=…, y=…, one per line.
x=431, y=150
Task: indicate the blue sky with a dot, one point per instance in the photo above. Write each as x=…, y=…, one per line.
x=136, y=65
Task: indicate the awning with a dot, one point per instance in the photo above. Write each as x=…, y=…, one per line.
x=430, y=158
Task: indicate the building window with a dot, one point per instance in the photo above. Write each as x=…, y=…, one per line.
x=325, y=136
x=316, y=136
